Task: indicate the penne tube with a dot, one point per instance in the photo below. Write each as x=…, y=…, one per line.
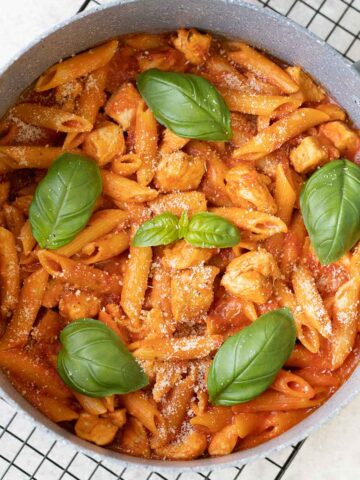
x=21, y=323
x=263, y=67
x=88, y=105
x=308, y=297
x=214, y=419
x=285, y=194
x=30, y=370
x=100, y=224
x=254, y=104
x=135, y=283
x=292, y=384
x=145, y=143
x=126, y=165
x=14, y=158
x=78, y=274
x=50, y=117
x=77, y=66
x=9, y=273
x=243, y=424
x=184, y=348
x=278, y=133
x=301, y=357
x=56, y=410
x=143, y=408
x=344, y=322
x=273, y=425
x=174, y=411
x=122, y=189
x=271, y=400
x=14, y=218
x=106, y=247
x=305, y=331
x=319, y=378
x=260, y=225
x=26, y=238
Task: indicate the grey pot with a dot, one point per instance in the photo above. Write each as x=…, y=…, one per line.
x=233, y=18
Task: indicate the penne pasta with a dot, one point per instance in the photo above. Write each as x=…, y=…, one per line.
x=26, y=311
x=100, y=224
x=135, y=283
x=272, y=137
x=76, y=66
x=14, y=158
x=78, y=274
x=122, y=189
x=263, y=67
x=9, y=273
x=50, y=117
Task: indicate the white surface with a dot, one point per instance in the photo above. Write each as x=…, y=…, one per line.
x=330, y=454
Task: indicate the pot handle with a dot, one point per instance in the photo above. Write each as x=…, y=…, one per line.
x=356, y=66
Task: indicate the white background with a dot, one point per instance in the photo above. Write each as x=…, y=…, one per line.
x=333, y=453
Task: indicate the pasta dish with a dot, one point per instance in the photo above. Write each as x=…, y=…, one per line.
x=179, y=257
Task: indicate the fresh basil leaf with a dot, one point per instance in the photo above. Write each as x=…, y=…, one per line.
x=160, y=230
x=248, y=362
x=187, y=104
x=64, y=200
x=183, y=224
x=330, y=206
x=94, y=361
x=207, y=230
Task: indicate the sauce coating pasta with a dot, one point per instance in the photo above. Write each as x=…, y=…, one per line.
x=174, y=305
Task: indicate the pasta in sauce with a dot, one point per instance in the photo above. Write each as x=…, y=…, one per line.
x=174, y=305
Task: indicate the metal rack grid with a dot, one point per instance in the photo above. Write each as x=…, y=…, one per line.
x=27, y=453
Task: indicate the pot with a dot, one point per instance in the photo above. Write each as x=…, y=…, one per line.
x=233, y=18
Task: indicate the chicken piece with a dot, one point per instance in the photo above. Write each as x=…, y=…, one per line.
x=340, y=134
x=192, y=292
x=79, y=304
x=193, y=44
x=184, y=255
x=179, y=171
x=100, y=431
x=105, y=143
x=251, y=276
x=309, y=154
x=248, y=189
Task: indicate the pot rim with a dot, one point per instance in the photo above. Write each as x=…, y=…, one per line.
x=324, y=413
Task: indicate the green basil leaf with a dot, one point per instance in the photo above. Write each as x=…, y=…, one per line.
x=94, y=361
x=187, y=104
x=183, y=224
x=160, y=230
x=248, y=362
x=64, y=200
x=330, y=205
x=207, y=230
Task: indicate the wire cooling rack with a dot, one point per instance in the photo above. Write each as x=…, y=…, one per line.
x=27, y=453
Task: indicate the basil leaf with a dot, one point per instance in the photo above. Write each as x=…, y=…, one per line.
x=95, y=362
x=183, y=224
x=247, y=362
x=187, y=104
x=160, y=230
x=330, y=205
x=64, y=200
x=207, y=230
